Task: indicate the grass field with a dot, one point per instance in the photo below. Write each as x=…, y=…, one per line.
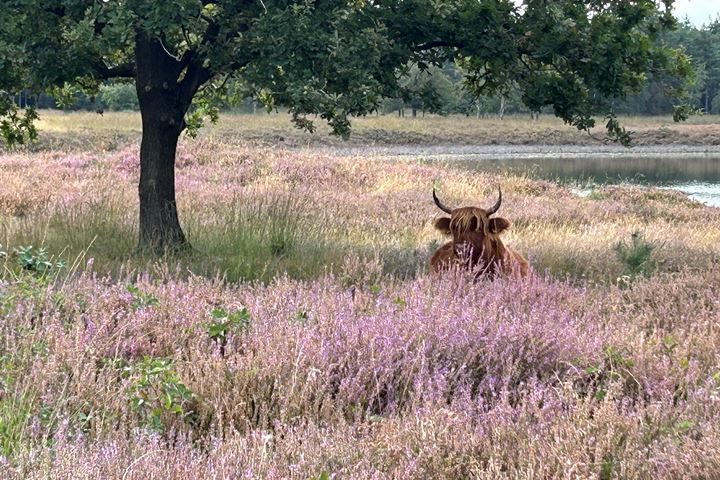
x=90, y=131
x=303, y=337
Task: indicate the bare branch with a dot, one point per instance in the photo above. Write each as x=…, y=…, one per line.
x=103, y=72
x=177, y=58
x=186, y=36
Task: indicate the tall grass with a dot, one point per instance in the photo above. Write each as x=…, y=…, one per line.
x=259, y=234
x=255, y=213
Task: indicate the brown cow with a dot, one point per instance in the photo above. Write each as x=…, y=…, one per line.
x=476, y=241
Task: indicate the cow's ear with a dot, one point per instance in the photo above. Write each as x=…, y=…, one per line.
x=497, y=225
x=443, y=224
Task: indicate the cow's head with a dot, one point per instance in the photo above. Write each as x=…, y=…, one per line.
x=473, y=228
x=476, y=241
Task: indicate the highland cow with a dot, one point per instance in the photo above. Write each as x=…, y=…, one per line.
x=476, y=242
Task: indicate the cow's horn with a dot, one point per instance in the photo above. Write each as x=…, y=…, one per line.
x=440, y=204
x=495, y=207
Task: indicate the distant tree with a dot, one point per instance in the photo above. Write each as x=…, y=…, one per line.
x=429, y=90
x=119, y=96
x=703, y=46
x=333, y=58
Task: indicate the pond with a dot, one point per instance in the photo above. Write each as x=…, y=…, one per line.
x=698, y=177
x=693, y=170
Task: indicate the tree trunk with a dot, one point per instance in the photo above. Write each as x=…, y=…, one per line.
x=163, y=109
x=707, y=100
x=160, y=229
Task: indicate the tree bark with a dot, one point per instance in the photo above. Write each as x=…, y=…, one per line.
x=160, y=229
x=163, y=108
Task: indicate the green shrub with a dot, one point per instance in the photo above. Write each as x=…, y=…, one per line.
x=224, y=322
x=140, y=298
x=636, y=256
x=156, y=392
x=37, y=260
x=28, y=259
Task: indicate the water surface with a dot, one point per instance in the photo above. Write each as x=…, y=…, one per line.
x=693, y=170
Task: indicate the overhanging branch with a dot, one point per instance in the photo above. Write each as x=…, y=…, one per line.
x=198, y=75
x=103, y=72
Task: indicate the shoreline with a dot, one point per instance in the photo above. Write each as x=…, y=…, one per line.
x=501, y=152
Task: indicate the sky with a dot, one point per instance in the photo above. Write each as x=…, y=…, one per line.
x=698, y=11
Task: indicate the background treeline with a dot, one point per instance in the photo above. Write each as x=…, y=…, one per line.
x=440, y=90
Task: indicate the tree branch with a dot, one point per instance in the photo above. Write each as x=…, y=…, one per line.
x=103, y=72
x=198, y=73
x=197, y=76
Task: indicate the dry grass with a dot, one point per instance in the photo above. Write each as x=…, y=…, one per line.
x=85, y=130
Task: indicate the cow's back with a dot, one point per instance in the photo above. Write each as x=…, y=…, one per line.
x=442, y=257
x=515, y=262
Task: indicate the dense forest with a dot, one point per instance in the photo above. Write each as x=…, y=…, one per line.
x=440, y=90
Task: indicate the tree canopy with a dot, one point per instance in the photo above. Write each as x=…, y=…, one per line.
x=333, y=58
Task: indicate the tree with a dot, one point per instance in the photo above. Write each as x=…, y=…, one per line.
x=334, y=58
x=703, y=46
x=119, y=96
x=429, y=90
